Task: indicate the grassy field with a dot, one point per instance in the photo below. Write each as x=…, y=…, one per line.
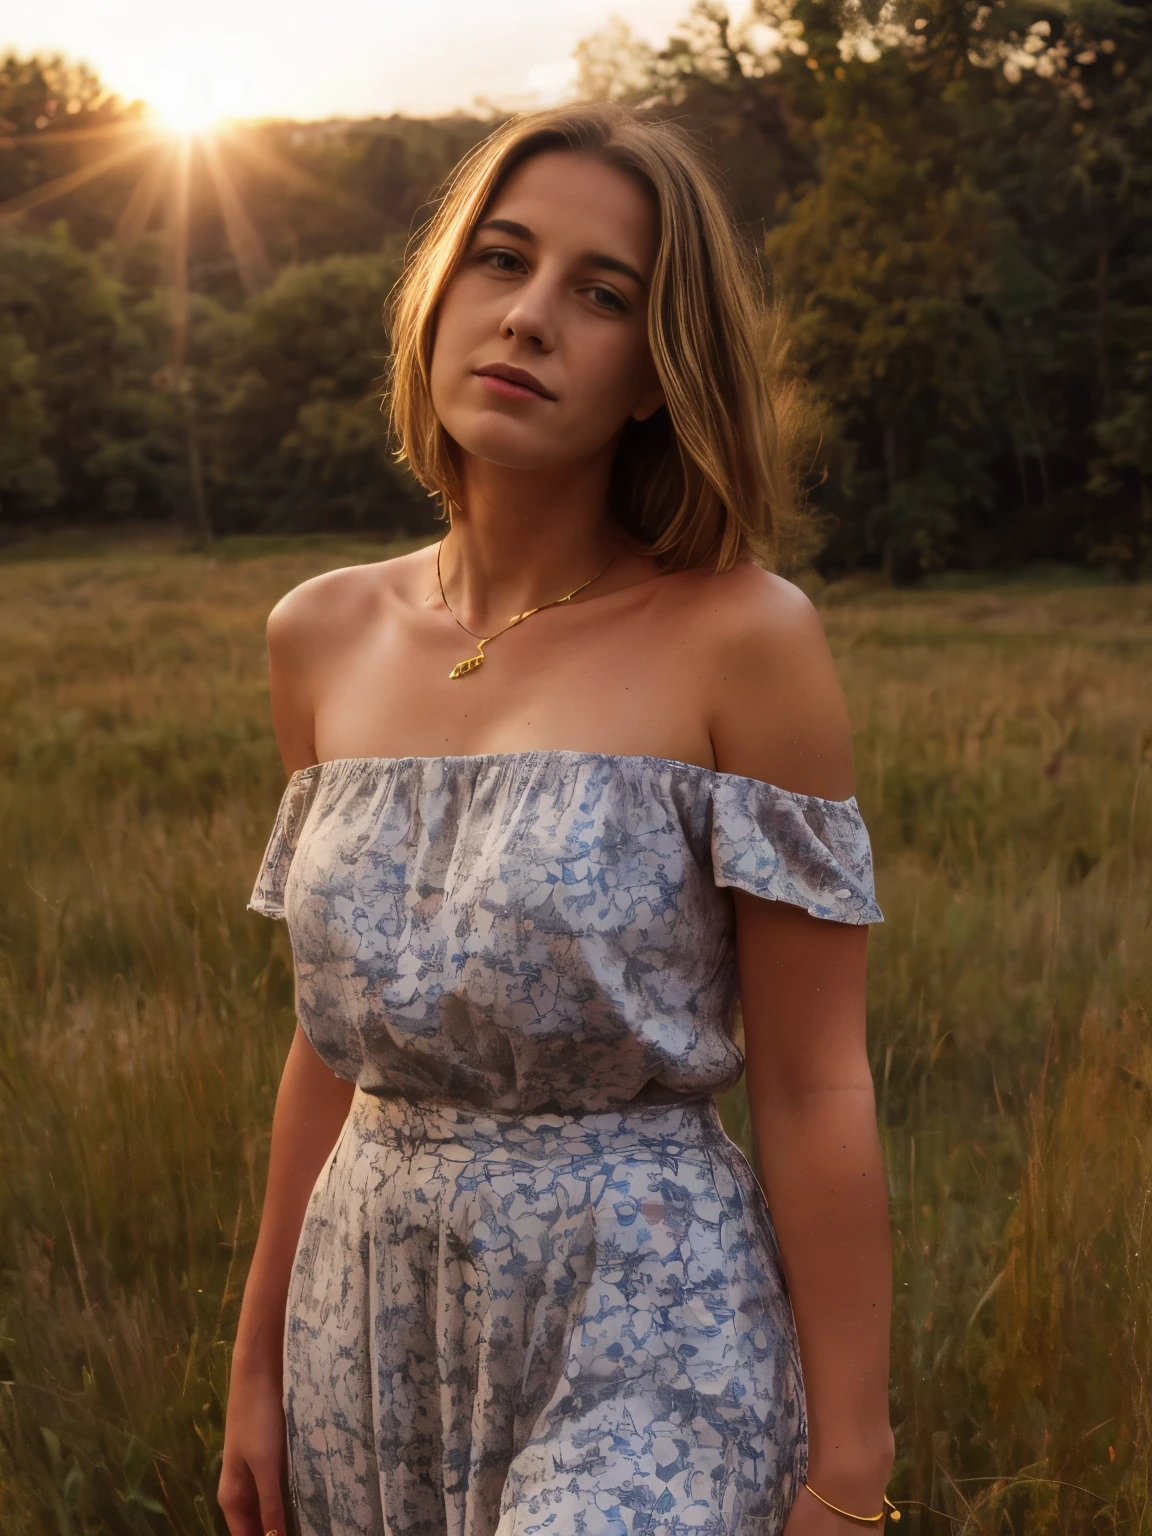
x=1004, y=765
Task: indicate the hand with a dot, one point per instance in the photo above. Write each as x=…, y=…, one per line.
x=808, y=1517
x=255, y=1456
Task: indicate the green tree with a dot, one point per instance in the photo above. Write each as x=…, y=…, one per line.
x=298, y=440
x=895, y=257
x=1095, y=234
x=1026, y=124
x=726, y=85
x=90, y=410
x=28, y=479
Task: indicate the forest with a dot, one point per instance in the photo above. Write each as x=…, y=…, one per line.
x=952, y=201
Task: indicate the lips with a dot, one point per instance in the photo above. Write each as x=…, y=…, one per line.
x=518, y=376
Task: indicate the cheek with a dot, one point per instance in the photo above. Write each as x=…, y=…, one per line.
x=450, y=330
x=445, y=369
x=610, y=370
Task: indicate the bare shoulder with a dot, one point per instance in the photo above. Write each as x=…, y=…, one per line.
x=311, y=631
x=329, y=611
x=776, y=708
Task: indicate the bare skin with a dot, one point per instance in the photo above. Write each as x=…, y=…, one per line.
x=730, y=672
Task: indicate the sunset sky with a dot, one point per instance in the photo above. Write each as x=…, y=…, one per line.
x=332, y=58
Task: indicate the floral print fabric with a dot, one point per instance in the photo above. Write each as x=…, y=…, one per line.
x=525, y=1302
x=514, y=1325
x=541, y=930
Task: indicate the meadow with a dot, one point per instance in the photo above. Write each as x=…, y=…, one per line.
x=1004, y=764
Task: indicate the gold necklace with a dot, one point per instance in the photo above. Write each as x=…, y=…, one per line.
x=470, y=663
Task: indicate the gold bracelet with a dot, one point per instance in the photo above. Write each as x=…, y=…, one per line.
x=860, y=1519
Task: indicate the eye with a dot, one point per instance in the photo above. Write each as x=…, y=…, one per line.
x=495, y=252
x=616, y=302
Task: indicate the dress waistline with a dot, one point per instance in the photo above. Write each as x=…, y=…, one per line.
x=406, y=1122
x=652, y=1094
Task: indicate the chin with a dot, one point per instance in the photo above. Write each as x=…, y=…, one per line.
x=511, y=446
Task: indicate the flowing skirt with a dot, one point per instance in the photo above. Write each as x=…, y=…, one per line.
x=504, y=1325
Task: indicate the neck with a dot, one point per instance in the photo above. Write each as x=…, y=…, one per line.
x=522, y=540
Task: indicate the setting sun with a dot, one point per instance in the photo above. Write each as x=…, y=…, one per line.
x=188, y=106
x=191, y=95
x=187, y=117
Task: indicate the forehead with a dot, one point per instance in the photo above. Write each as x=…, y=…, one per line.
x=573, y=199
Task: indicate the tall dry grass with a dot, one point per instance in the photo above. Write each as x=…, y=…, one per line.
x=1003, y=766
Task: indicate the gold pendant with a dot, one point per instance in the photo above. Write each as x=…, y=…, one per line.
x=462, y=668
x=470, y=663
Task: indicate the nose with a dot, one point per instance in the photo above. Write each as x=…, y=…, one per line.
x=530, y=315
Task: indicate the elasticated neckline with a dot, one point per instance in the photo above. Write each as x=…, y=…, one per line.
x=532, y=754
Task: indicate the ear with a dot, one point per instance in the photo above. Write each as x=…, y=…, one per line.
x=648, y=404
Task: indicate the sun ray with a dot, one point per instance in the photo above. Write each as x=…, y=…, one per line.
x=24, y=202
x=275, y=164
x=133, y=221
x=247, y=247
x=178, y=224
x=64, y=137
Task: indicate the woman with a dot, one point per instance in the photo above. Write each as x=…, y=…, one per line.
x=560, y=784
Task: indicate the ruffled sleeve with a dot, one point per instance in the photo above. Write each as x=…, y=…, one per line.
x=810, y=852
x=268, y=893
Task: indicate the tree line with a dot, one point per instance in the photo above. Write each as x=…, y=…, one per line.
x=952, y=200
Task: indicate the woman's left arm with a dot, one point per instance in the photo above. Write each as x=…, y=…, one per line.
x=778, y=715
x=814, y=1116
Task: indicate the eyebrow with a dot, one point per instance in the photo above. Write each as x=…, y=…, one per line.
x=593, y=258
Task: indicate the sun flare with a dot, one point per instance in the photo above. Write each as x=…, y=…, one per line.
x=194, y=101
x=186, y=116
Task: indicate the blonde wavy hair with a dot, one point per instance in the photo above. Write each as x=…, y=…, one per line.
x=711, y=479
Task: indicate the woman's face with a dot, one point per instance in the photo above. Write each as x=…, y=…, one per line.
x=555, y=282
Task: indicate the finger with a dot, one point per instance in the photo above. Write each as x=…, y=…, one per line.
x=272, y=1522
x=238, y=1499
x=271, y=1504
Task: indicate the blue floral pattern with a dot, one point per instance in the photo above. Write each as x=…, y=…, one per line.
x=540, y=930
x=525, y=1324
x=525, y=1300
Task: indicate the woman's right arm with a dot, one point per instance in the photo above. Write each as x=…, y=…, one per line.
x=311, y=1108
